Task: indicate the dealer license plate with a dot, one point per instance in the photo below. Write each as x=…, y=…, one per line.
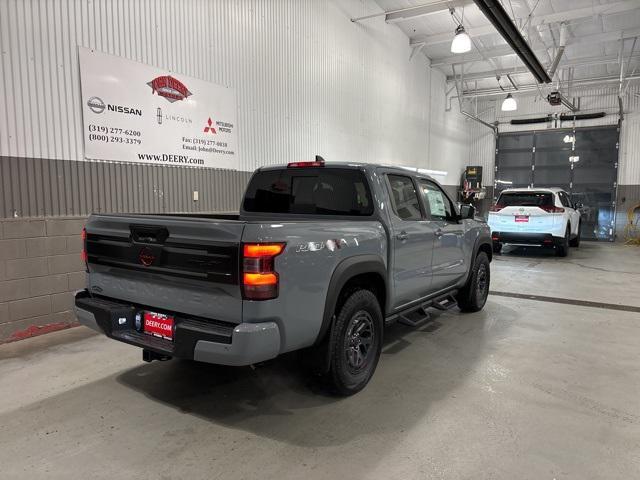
x=522, y=218
x=158, y=324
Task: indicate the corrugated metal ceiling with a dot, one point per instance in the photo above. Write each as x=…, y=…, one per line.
x=595, y=29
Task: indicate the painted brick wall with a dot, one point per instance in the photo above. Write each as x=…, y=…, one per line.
x=40, y=268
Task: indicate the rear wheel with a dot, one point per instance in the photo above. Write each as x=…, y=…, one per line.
x=497, y=247
x=356, y=343
x=562, y=249
x=575, y=242
x=474, y=294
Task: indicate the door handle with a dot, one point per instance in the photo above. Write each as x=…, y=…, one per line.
x=438, y=233
x=402, y=236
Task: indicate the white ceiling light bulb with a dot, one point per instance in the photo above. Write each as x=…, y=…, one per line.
x=461, y=42
x=509, y=104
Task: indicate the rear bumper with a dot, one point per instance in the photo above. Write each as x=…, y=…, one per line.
x=525, y=238
x=194, y=339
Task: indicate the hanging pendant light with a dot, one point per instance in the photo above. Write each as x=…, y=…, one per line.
x=461, y=42
x=509, y=104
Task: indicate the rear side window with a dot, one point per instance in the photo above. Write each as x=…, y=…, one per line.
x=564, y=199
x=525, y=199
x=310, y=191
x=405, y=198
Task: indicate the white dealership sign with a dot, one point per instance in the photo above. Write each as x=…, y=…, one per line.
x=134, y=112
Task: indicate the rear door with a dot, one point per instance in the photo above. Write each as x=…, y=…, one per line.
x=179, y=264
x=526, y=212
x=574, y=215
x=412, y=240
x=447, y=265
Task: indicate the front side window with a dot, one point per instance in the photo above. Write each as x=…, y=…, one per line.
x=438, y=205
x=405, y=199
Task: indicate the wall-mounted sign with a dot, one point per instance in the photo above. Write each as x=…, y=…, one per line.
x=134, y=112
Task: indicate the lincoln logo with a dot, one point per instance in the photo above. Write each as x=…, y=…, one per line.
x=170, y=88
x=146, y=256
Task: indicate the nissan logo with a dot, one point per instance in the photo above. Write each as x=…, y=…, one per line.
x=146, y=256
x=96, y=105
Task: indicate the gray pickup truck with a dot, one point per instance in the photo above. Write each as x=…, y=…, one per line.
x=319, y=259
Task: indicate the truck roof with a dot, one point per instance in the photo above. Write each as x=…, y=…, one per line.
x=361, y=166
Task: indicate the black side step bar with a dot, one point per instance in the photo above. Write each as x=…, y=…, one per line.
x=418, y=315
x=414, y=318
x=445, y=303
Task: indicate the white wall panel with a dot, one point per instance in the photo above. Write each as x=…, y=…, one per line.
x=449, y=133
x=308, y=79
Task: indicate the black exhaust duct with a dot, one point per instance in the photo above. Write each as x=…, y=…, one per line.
x=497, y=15
x=564, y=117
x=526, y=121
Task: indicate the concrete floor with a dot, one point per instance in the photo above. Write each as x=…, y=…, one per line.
x=524, y=389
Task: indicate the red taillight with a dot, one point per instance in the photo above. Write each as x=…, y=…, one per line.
x=84, y=255
x=552, y=209
x=259, y=279
x=305, y=164
x=262, y=249
x=496, y=208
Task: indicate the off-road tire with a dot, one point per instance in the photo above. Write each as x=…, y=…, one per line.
x=345, y=377
x=474, y=294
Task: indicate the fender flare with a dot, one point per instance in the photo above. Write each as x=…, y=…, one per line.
x=481, y=239
x=344, y=271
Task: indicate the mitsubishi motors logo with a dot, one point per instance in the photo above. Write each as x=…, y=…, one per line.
x=210, y=127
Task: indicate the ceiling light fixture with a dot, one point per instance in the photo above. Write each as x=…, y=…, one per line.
x=461, y=42
x=509, y=104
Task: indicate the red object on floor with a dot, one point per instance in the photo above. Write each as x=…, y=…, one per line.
x=35, y=330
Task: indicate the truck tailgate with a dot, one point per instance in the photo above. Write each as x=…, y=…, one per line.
x=179, y=264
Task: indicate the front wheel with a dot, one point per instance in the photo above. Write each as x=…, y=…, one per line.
x=356, y=343
x=562, y=249
x=474, y=294
x=575, y=242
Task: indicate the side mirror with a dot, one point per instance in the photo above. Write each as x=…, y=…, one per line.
x=467, y=211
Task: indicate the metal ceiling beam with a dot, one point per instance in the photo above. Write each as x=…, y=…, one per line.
x=493, y=92
x=605, y=60
x=506, y=50
x=565, y=16
x=406, y=13
x=424, y=10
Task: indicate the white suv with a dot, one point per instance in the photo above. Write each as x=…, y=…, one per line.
x=542, y=217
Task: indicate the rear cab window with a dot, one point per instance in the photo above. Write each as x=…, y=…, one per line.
x=525, y=199
x=309, y=191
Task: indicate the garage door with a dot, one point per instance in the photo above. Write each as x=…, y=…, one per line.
x=583, y=161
